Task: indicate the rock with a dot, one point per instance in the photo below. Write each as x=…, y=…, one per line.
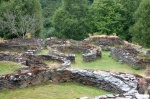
x=130, y=56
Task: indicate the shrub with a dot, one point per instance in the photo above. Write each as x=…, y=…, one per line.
x=136, y=67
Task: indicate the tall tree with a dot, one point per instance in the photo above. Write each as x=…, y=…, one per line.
x=141, y=30
x=105, y=17
x=48, y=9
x=20, y=16
x=70, y=20
x=129, y=7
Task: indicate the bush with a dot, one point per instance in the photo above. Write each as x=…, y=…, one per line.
x=136, y=67
x=10, y=36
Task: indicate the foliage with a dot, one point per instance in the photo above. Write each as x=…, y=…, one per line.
x=129, y=7
x=69, y=20
x=20, y=17
x=106, y=17
x=141, y=30
x=75, y=18
x=136, y=67
x=48, y=9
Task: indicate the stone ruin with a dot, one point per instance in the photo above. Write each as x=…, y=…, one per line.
x=112, y=82
x=22, y=44
x=119, y=96
x=90, y=53
x=104, y=41
x=122, y=84
x=130, y=56
x=8, y=57
x=148, y=52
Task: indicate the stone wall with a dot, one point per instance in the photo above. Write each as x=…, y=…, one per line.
x=119, y=96
x=104, y=41
x=19, y=45
x=21, y=80
x=70, y=57
x=148, y=52
x=130, y=56
x=72, y=48
x=87, y=57
x=26, y=41
x=38, y=60
x=32, y=60
x=90, y=53
x=8, y=57
x=52, y=41
x=11, y=47
x=113, y=82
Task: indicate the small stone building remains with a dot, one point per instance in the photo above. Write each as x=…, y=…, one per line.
x=130, y=56
x=104, y=41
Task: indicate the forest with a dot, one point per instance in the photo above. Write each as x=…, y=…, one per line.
x=76, y=19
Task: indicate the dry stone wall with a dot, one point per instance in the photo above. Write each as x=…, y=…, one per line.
x=8, y=57
x=130, y=56
x=104, y=41
x=148, y=52
x=22, y=44
x=90, y=52
x=119, y=96
x=52, y=41
x=117, y=83
x=33, y=60
x=12, y=47
x=26, y=41
x=72, y=48
x=38, y=60
x=113, y=82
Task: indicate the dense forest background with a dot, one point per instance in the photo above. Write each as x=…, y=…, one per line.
x=76, y=19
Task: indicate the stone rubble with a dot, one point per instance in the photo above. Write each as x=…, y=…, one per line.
x=91, y=53
x=112, y=82
x=122, y=84
x=104, y=41
x=19, y=44
x=119, y=96
x=148, y=52
x=130, y=56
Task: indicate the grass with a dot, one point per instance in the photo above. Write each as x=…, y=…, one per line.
x=64, y=90
x=8, y=67
x=43, y=51
x=52, y=64
x=52, y=91
x=105, y=63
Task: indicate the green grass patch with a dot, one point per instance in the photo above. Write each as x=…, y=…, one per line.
x=43, y=51
x=52, y=91
x=65, y=90
x=7, y=67
x=105, y=63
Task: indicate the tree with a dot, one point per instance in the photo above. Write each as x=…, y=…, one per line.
x=48, y=9
x=105, y=17
x=141, y=30
x=25, y=24
x=70, y=20
x=129, y=7
x=17, y=16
